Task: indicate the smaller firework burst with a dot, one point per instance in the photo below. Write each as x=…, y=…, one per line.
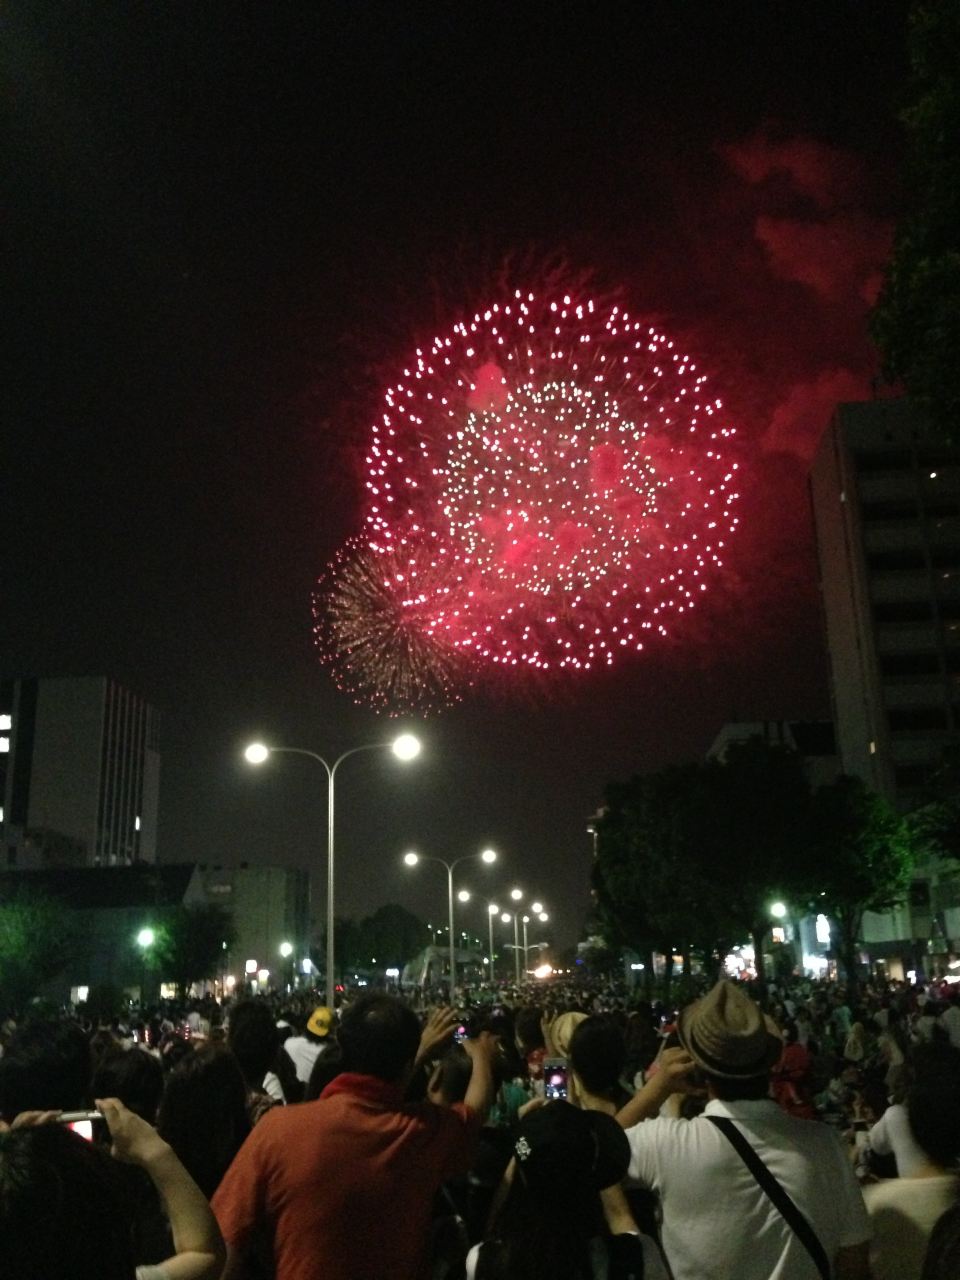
x=372, y=628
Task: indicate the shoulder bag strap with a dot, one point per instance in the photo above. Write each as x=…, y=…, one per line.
x=769, y=1184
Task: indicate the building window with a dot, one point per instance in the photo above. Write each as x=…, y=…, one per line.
x=903, y=611
x=4, y=745
x=887, y=561
x=909, y=664
x=917, y=719
x=6, y=721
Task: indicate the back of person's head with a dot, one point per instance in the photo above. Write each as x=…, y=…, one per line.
x=451, y=1077
x=527, y=1028
x=598, y=1053
x=379, y=1036
x=933, y=1102
x=203, y=1114
x=63, y=1215
x=45, y=1068
x=253, y=1039
x=132, y=1075
x=943, y=1251
x=328, y=1066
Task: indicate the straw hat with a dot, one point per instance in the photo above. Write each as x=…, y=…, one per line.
x=727, y=1035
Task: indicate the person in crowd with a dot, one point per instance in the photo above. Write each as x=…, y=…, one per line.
x=345, y=1184
x=203, y=1114
x=598, y=1059
x=943, y=1252
x=253, y=1039
x=45, y=1067
x=904, y=1210
x=718, y=1221
x=134, y=1076
x=529, y=1033
x=63, y=1212
x=792, y=1076
x=304, y=1050
x=950, y=1020
x=551, y=1219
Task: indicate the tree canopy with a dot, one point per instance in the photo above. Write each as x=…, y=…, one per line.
x=916, y=322
x=38, y=939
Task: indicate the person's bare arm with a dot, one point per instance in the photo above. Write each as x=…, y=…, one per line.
x=436, y=1033
x=674, y=1075
x=479, y=1096
x=620, y=1221
x=196, y=1237
x=852, y=1263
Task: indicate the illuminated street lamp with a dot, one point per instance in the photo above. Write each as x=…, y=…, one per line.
x=488, y=856
x=145, y=940
x=405, y=747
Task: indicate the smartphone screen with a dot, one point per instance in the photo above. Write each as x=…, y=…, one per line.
x=83, y=1127
x=460, y=1034
x=554, y=1080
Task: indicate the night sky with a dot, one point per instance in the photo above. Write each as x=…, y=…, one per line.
x=223, y=222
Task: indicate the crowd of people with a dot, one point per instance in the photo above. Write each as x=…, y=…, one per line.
x=569, y=1130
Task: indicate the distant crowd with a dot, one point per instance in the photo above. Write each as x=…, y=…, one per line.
x=565, y=1129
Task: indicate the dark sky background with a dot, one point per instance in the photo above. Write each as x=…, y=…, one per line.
x=222, y=222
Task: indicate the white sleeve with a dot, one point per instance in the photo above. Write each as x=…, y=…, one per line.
x=854, y=1220
x=471, y=1263
x=642, y=1162
x=880, y=1137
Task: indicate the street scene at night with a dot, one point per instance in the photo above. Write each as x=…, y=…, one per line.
x=480, y=651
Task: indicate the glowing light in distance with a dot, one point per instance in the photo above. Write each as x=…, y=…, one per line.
x=543, y=971
x=286, y=950
x=406, y=747
x=536, y=907
x=146, y=938
x=493, y=909
x=516, y=894
x=463, y=895
x=489, y=855
x=506, y=917
x=778, y=910
x=251, y=966
x=256, y=753
x=411, y=858
x=543, y=917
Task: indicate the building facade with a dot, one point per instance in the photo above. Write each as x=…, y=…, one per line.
x=270, y=907
x=886, y=504
x=79, y=774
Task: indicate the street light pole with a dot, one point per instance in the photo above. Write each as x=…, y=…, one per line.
x=492, y=910
x=411, y=859
x=405, y=747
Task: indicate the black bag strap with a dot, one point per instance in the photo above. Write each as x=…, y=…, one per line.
x=769, y=1184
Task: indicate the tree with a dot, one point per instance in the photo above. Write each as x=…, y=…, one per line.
x=860, y=854
x=916, y=323
x=393, y=935
x=654, y=880
x=38, y=939
x=190, y=943
x=754, y=827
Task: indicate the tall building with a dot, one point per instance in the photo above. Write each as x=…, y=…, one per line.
x=79, y=774
x=886, y=505
x=270, y=906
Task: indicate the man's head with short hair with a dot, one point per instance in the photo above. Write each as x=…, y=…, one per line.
x=933, y=1102
x=379, y=1037
x=46, y=1068
x=598, y=1054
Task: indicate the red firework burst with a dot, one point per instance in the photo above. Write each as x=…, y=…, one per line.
x=371, y=628
x=562, y=468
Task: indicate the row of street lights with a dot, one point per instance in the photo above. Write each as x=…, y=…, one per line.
x=405, y=747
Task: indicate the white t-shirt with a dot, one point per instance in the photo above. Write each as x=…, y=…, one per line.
x=950, y=1021
x=903, y=1213
x=717, y=1221
x=653, y=1268
x=892, y=1136
x=303, y=1053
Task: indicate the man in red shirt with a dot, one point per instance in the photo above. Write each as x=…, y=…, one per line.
x=345, y=1184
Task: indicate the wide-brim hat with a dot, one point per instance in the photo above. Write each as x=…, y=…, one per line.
x=728, y=1036
x=320, y=1021
x=559, y=1147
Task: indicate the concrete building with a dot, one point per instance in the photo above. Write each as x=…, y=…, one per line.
x=886, y=506
x=813, y=740
x=79, y=774
x=270, y=906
